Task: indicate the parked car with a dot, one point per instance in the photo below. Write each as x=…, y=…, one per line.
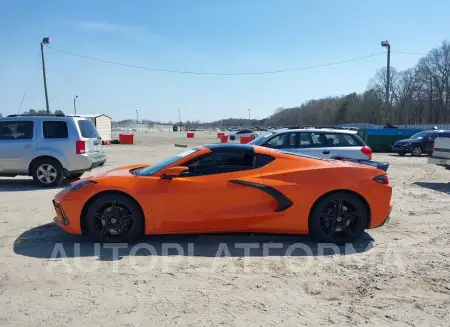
x=317, y=142
x=243, y=132
x=419, y=143
x=441, y=151
x=218, y=188
x=49, y=148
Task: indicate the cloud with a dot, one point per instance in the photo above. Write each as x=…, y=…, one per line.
x=128, y=31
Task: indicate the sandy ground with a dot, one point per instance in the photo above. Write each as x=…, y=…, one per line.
x=396, y=275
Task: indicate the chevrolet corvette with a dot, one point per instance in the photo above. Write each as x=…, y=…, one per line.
x=229, y=188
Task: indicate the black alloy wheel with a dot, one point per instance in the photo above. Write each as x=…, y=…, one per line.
x=114, y=218
x=339, y=218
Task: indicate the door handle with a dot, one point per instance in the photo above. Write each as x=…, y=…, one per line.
x=326, y=152
x=27, y=145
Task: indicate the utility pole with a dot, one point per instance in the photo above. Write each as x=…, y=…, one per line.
x=45, y=40
x=179, y=115
x=75, y=105
x=137, y=117
x=248, y=114
x=388, y=76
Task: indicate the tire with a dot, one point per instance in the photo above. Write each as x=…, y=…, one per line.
x=47, y=172
x=348, y=226
x=101, y=212
x=416, y=151
x=232, y=137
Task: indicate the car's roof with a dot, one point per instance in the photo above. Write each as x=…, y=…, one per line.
x=50, y=117
x=228, y=147
x=317, y=130
x=434, y=131
x=225, y=147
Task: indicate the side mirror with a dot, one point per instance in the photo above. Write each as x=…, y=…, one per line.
x=173, y=172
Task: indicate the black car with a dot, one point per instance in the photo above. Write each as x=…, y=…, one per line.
x=419, y=143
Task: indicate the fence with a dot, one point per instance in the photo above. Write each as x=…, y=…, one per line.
x=141, y=127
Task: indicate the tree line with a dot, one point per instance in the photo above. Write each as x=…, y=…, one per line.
x=419, y=95
x=33, y=112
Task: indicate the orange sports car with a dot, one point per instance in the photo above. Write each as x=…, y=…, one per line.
x=229, y=188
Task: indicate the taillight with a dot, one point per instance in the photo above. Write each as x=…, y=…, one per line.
x=80, y=147
x=367, y=151
x=382, y=179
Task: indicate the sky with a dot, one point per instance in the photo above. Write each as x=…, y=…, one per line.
x=222, y=36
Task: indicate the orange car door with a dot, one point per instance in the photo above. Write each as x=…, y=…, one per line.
x=207, y=200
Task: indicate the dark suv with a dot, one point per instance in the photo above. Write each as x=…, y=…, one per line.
x=419, y=143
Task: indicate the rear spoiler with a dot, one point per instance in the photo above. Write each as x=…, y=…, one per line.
x=380, y=165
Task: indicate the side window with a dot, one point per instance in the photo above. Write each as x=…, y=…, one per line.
x=245, y=131
x=16, y=130
x=222, y=162
x=305, y=140
x=55, y=130
x=283, y=141
x=334, y=140
x=319, y=140
x=433, y=136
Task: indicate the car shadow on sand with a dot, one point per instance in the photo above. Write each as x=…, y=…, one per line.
x=49, y=241
x=23, y=184
x=435, y=186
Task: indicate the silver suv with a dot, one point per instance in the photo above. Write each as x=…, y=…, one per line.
x=49, y=148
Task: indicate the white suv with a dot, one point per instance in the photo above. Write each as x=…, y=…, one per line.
x=236, y=136
x=317, y=142
x=49, y=148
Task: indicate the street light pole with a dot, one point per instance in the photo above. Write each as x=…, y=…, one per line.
x=179, y=115
x=137, y=117
x=74, y=104
x=248, y=114
x=388, y=76
x=45, y=40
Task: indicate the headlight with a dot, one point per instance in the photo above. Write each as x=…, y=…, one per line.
x=79, y=185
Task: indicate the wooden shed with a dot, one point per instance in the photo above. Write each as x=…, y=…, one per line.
x=103, y=124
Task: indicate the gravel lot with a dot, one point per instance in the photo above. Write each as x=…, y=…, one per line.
x=396, y=275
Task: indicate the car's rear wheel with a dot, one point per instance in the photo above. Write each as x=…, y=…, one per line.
x=47, y=172
x=114, y=218
x=340, y=217
x=416, y=151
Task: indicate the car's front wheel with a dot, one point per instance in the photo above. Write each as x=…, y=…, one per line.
x=114, y=218
x=340, y=217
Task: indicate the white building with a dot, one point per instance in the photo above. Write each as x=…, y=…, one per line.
x=103, y=124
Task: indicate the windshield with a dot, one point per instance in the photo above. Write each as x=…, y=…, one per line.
x=419, y=136
x=261, y=139
x=149, y=171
